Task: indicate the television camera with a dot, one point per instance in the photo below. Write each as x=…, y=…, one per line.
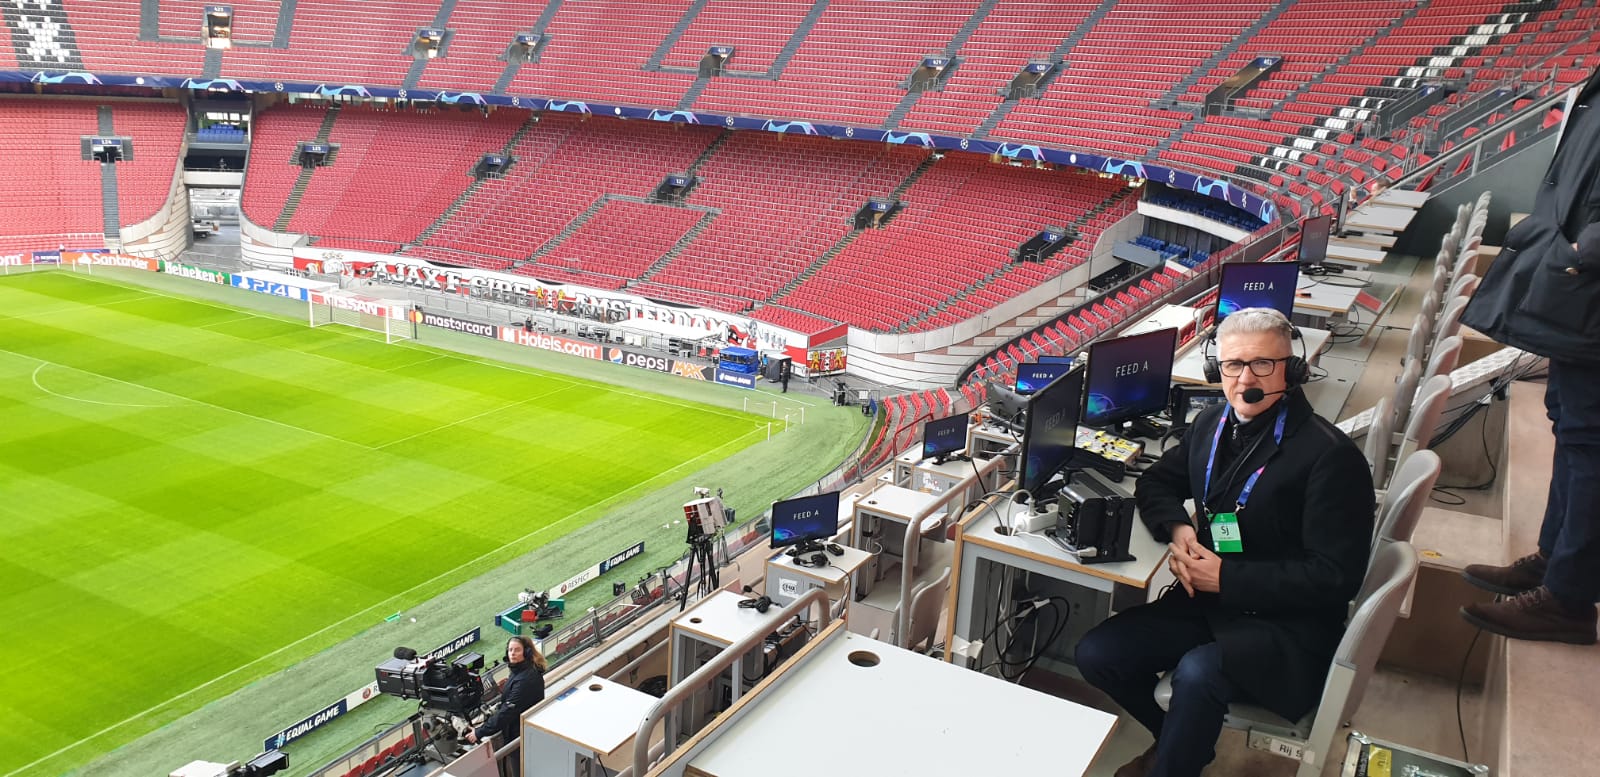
x=270, y=762
x=447, y=688
x=544, y=608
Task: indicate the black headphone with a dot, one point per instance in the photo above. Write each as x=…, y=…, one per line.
x=759, y=604
x=812, y=561
x=527, y=649
x=1296, y=370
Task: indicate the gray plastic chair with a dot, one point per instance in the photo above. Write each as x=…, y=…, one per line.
x=1429, y=311
x=1407, y=495
x=1383, y=590
x=1419, y=339
x=1450, y=319
x=927, y=603
x=1405, y=392
x=1380, y=441
x=1462, y=286
x=1424, y=419
x=1443, y=358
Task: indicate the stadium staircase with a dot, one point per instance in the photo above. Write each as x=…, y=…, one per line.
x=441, y=21
x=503, y=83
x=292, y=204
x=111, y=212
x=149, y=20
x=689, y=237
x=792, y=47
x=1169, y=101
x=472, y=188
x=1058, y=55
x=850, y=237
x=898, y=114
x=688, y=18
x=284, y=29
x=571, y=227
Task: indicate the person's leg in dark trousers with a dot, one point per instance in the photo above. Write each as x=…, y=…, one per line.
x=1573, y=574
x=1200, y=697
x=1125, y=656
x=1555, y=507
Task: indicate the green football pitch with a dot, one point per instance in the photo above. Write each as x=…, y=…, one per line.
x=188, y=490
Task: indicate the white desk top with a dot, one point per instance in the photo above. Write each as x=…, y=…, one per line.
x=1386, y=218
x=838, y=568
x=896, y=502
x=596, y=714
x=718, y=619
x=980, y=725
x=1147, y=553
x=1355, y=252
x=1404, y=198
x=1189, y=367
x=1336, y=296
x=957, y=470
x=1176, y=317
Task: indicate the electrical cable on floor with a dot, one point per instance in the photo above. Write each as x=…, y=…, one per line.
x=1461, y=679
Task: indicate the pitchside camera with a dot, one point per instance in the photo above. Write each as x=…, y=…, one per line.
x=262, y=765
x=454, y=687
x=706, y=516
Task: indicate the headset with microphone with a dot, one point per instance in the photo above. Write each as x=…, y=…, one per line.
x=1296, y=370
x=759, y=604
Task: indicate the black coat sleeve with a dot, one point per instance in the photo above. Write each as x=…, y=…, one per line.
x=1336, y=531
x=522, y=692
x=1164, y=487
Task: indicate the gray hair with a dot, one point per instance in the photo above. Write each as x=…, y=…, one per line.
x=1254, y=321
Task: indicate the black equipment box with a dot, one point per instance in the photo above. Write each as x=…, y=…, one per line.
x=1095, y=519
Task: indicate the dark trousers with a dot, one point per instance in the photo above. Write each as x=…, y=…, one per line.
x=1570, y=536
x=1124, y=657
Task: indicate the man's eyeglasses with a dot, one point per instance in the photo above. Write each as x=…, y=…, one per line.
x=1233, y=368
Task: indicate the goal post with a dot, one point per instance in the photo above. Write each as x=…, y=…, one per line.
x=388, y=317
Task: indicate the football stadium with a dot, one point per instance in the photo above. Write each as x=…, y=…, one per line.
x=946, y=387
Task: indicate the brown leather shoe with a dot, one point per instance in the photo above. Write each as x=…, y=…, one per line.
x=1139, y=767
x=1534, y=615
x=1524, y=574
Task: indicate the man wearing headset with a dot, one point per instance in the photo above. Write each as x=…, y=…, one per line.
x=523, y=689
x=1266, y=566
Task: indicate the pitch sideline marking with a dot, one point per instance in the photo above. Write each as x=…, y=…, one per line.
x=569, y=516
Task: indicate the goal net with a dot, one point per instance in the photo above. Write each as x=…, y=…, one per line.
x=385, y=316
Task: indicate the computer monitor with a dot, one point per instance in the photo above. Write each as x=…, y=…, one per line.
x=1257, y=285
x=1050, y=433
x=1128, y=378
x=943, y=437
x=1314, y=233
x=801, y=523
x=1067, y=360
x=1034, y=376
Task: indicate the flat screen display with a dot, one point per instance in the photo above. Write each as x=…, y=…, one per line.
x=1033, y=376
x=1257, y=285
x=1129, y=377
x=1051, y=431
x=944, y=436
x=806, y=519
x=1314, y=239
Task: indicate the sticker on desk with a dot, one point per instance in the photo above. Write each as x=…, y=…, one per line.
x=789, y=587
x=931, y=484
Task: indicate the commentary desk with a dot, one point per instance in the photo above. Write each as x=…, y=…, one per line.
x=986, y=563
x=875, y=709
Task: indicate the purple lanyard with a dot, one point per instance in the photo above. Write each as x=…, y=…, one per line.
x=1216, y=441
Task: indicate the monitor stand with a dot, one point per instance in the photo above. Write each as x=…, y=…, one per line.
x=809, y=546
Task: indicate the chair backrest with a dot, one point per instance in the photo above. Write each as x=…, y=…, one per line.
x=927, y=602
x=1380, y=441
x=1420, y=338
x=1463, y=265
x=1405, y=391
x=1441, y=274
x=1429, y=311
x=1377, y=606
x=1462, y=286
x=1450, y=319
x=1425, y=415
x=1407, y=495
x=1444, y=357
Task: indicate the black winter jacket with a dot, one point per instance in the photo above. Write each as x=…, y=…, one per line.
x=1306, y=531
x=524, y=688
